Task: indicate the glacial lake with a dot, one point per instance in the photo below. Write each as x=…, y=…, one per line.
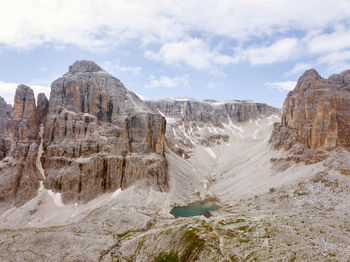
x=196, y=209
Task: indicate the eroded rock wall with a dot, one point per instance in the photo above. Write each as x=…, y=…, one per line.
x=193, y=121
x=99, y=137
x=5, y=114
x=19, y=177
x=316, y=114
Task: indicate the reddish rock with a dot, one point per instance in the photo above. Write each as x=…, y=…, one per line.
x=19, y=179
x=42, y=107
x=316, y=114
x=99, y=137
x=5, y=144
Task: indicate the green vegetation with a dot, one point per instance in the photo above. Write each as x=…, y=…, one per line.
x=167, y=257
x=234, y=258
x=193, y=245
x=121, y=235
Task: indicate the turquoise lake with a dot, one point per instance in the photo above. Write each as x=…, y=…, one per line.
x=193, y=209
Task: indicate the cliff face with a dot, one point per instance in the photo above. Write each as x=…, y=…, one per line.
x=316, y=114
x=5, y=112
x=96, y=137
x=19, y=177
x=211, y=111
x=99, y=137
x=187, y=120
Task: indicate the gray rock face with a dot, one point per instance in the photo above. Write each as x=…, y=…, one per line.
x=210, y=111
x=99, y=137
x=316, y=114
x=84, y=66
x=19, y=177
x=42, y=107
x=5, y=112
x=187, y=117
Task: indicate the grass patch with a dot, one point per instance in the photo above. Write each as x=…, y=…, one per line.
x=244, y=228
x=234, y=258
x=193, y=245
x=121, y=235
x=167, y=257
x=243, y=240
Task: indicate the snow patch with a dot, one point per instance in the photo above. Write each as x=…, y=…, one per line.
x=210, y=152
x=56, y=197
x=117, y=192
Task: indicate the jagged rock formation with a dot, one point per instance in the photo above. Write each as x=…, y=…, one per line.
x=5, y=144
x=19, y=177
x=99, y=137
x=42, y=107
x=186, y=119
x=316, y=114
x=94, y=136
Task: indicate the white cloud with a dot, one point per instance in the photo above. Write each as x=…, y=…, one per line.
x=115, y=68
x=336, y=61
x=166, y=81
x=282, y=86
x=337, y=40
x=181, y=31
x=299, y=68
x=105, y=23
x=281, y=50
x=8, y=90
x=193, y=52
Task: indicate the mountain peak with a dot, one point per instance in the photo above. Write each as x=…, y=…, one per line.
x=84, y=66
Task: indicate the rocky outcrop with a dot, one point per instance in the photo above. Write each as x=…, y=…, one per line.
x=19, y=177
x=99, y=137
x=211, y=111
x=316, y=114
x=192, y=121
x=42, y=107
x=5, y=144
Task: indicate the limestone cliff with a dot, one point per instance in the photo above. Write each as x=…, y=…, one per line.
x=201, y=120
x=99, y=137
x=316, y=114
x=19, y=177
x=5, y=111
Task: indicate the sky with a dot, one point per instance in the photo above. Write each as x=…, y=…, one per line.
x=204, y=49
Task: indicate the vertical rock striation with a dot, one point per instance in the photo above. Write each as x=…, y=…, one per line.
x=188, y=119
x=5, y=144
x=19, y=177
x=316, y=114
x=99, y=137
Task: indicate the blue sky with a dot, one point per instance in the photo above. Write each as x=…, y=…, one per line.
x=223, y=49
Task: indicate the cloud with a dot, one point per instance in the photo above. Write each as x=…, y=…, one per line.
x=330, y=48
x=183, y=32
x=8, y=90
x=114, y=68
x=336, y=61
x=282, y=86
x=104, y=24
x=337, y=40
x=281, y=50
x=193, y=52
x=299, y=68
x=168, y=82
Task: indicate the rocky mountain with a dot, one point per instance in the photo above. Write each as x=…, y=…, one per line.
x=19, y=179
x=93, y=136
x=5, y=111
x=316, y=116
x=191, y=121
x=99, y=137
x=281, y=199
